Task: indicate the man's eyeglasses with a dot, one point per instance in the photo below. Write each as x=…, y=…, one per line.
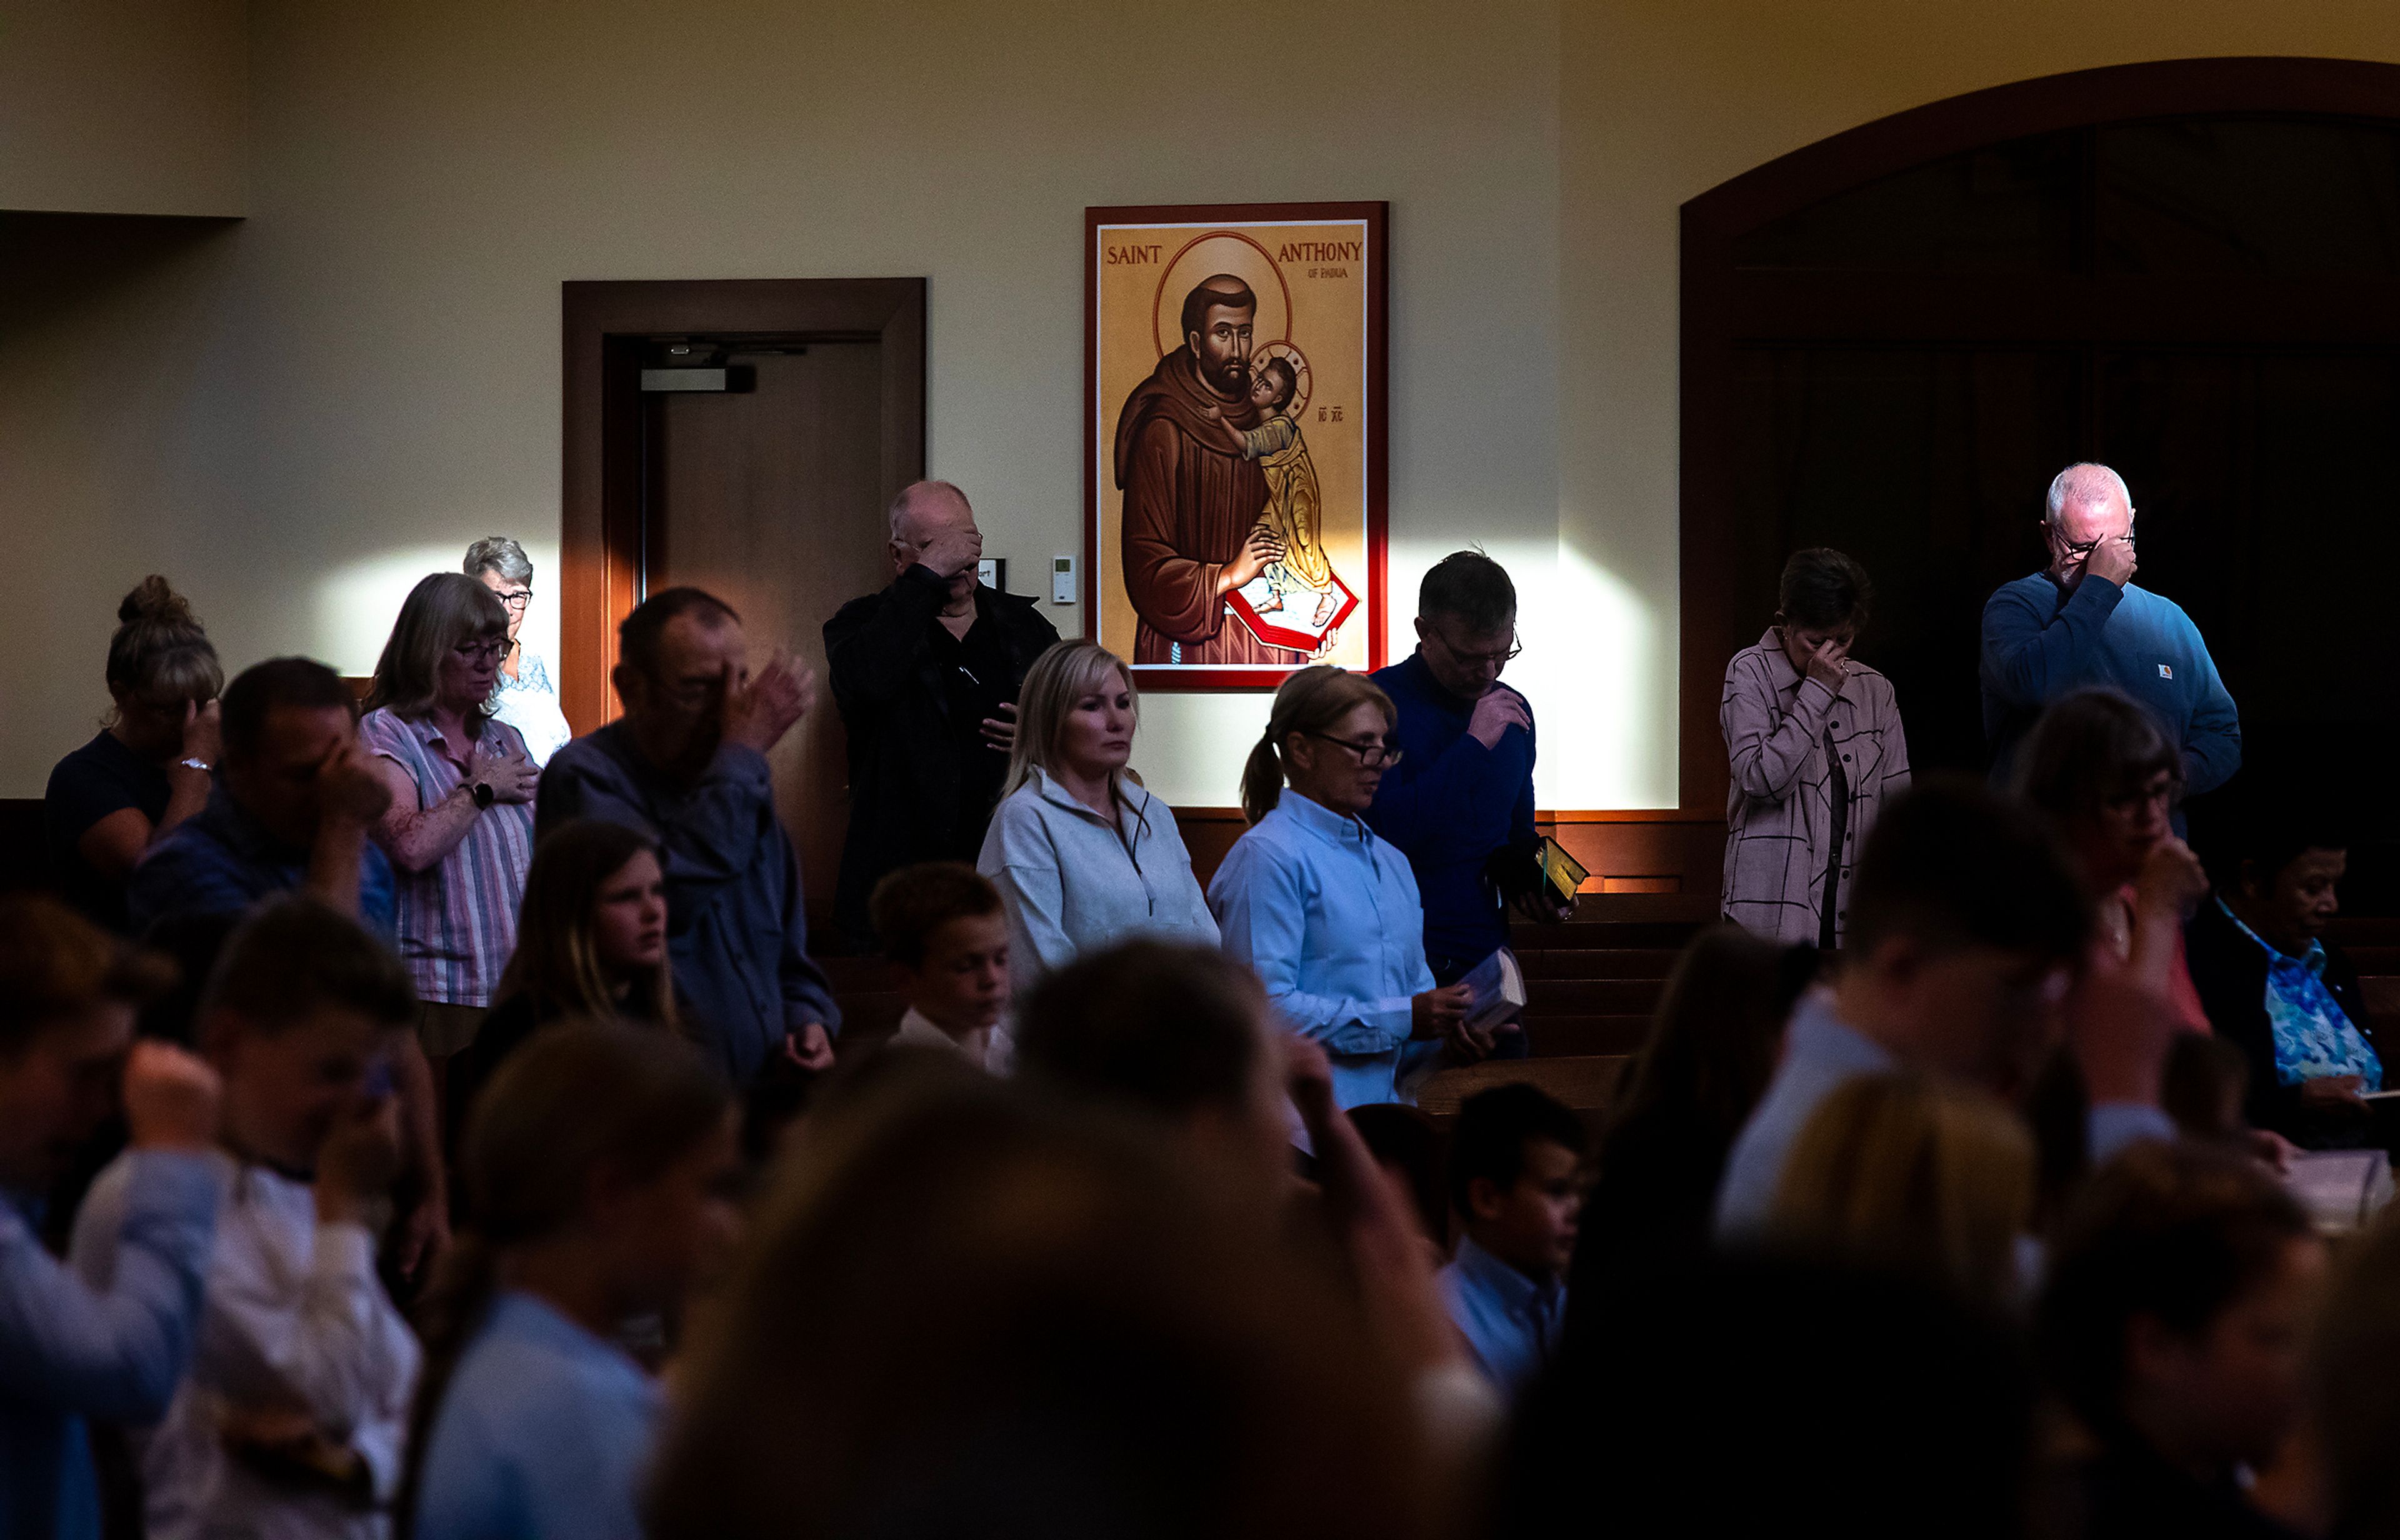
x=515, y=598
x=2082, y=550
x=1374, y=754
x=483, y=652
x=1494, y=660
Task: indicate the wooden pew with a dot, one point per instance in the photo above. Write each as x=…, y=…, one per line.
x=1586, y=1083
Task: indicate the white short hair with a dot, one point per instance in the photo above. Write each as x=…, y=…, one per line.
x=2064, y=483
x=915, y=490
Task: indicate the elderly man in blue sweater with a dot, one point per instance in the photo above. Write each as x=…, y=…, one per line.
x=2081, y=621
x=1459, y=803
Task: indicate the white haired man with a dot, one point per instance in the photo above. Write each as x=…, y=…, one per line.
x=925, y=674
x=2082, y=622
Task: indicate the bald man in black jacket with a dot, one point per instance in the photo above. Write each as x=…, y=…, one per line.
x=925, y=674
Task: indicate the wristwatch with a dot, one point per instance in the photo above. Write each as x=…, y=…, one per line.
x=482, y=795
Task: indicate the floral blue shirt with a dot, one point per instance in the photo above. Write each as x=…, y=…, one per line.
x=2313, y=1037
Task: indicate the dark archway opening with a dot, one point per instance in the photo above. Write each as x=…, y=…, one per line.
x=2190, y=271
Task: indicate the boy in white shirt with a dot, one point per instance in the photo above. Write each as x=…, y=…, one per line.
x=289, y=1422
x=944, y=928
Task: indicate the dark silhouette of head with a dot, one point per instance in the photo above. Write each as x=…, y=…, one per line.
x=1773, y=1366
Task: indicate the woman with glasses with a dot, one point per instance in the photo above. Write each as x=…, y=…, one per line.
x=522, y=696
x=1322, y=907
x=1084, y=856
x=460, y=828
x=2100, y=766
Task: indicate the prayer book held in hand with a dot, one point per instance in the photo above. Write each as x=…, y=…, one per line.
x=1561, y=873
x=1499, y=986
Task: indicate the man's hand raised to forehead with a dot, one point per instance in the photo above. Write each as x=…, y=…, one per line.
x=2112, y=559
x=951, y=551
x=349, y=790
x=758, y=713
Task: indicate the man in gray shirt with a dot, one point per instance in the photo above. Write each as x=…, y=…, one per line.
x=687, y=764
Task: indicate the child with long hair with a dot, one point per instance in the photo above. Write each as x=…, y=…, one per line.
x=591, y=943
x=599, y=1171
x=1680, y=1103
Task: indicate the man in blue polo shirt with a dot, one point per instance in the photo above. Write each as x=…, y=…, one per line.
x=1459, y=804
x=2081, y=621
x=293, y=807
x=295, y=802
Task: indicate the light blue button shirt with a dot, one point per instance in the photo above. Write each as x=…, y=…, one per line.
x=1327, y=913
x=545, y=1430
x=1512, y=1323
x=1821, y=1054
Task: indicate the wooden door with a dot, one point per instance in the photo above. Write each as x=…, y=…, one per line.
x=771, y=499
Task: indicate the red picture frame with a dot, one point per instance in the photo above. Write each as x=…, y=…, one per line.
x=1292, y=245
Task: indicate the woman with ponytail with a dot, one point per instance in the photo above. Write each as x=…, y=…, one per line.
x=1323, y=908
x=598, y=1172
x=149, y=768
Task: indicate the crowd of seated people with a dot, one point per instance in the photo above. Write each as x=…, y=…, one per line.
x=414, y=1124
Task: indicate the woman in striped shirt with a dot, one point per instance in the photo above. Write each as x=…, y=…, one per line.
x=460, y=828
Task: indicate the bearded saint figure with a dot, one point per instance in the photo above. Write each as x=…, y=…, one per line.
x=1194, y=503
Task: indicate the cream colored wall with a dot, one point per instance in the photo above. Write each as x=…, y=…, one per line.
x=118, y=419
x=300, y=414
x=1662, y=100
x=428, y=173
x=123, y=106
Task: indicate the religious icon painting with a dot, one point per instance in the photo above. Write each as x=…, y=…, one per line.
x=1233, y=440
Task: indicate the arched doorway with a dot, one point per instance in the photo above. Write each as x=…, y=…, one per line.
x=2192, y=270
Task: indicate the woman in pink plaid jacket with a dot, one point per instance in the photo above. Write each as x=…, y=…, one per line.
x=1816, y=747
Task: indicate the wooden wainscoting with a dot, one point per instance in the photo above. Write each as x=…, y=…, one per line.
x=1662, y=852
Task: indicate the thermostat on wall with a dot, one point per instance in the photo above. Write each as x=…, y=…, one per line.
x=1062, y=580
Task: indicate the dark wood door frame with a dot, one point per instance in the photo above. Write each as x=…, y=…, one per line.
x=1721, y=308
x=606, y=326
